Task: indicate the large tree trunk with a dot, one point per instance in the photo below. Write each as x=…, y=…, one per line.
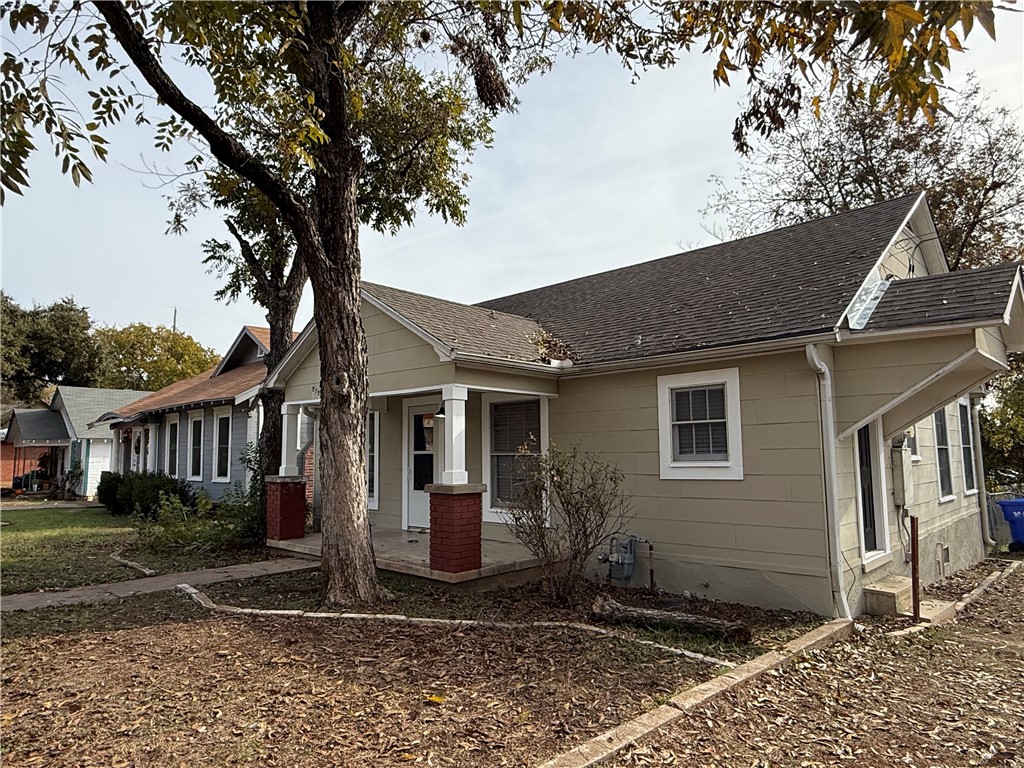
x=347, y=550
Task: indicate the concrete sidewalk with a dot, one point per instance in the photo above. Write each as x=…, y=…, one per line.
x=163, y=583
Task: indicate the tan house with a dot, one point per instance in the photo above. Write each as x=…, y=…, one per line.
x=779, y=405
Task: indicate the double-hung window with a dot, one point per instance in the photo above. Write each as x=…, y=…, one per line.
x=967, y=447
x=515, y=432
x=372, y=459
x=942, y=456
x=171, y=464
x=699, y=426
x=195, y=445
x=222, y=445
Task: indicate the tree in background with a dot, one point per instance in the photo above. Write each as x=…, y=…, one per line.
x=1002, y=430
x=139, y=356
x=970, y=164
x=361, y=79
x=46, y=345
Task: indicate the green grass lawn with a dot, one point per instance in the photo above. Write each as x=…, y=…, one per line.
x=51, y=549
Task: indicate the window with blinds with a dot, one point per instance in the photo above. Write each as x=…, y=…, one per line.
x=515, y=428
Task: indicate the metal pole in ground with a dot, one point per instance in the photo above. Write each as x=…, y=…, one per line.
x=915, y=572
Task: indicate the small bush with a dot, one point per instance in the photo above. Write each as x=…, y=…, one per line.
x=565, y=506
x=138, y=493
x=106, y=491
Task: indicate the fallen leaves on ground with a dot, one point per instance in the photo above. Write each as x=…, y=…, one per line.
x=294, y=692
x=953, y=696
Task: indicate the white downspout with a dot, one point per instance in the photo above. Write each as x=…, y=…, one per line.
x=828, y=445
x=979, y=471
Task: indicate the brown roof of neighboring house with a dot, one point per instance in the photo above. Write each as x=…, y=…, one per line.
x=203, y=388
x=463, y=327
x=263, y=334
x=946, y=299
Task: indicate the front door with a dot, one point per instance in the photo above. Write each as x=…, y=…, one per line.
x=422, y=470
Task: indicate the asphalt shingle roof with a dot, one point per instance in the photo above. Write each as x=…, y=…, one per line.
x=38, y=425
x=465, y=328
x=203, y=388
x=86, y=404
x=788, y=282
x=949, y=298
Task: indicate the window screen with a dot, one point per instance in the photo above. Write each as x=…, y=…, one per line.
x=967, y=443
x=942, y=454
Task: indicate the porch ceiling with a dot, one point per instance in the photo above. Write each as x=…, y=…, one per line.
x=904, y=381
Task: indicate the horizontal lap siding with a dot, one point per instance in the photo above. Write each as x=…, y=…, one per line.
x=772, y=521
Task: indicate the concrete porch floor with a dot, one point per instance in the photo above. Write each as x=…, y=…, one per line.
x=409, y=552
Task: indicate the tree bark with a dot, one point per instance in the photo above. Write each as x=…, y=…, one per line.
x=347, y=550
x=610, y=611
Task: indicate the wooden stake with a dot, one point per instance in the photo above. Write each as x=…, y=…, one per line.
x=915, y=572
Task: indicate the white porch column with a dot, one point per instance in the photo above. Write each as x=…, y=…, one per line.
x=289, y=440
x=454, y=435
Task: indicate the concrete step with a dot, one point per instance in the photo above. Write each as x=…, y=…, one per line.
x=934, y=611
x=890, y=596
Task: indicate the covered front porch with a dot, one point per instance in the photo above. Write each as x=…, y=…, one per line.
x=501, y=562
x=433, y=456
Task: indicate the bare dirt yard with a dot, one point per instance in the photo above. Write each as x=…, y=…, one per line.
x=952, y=696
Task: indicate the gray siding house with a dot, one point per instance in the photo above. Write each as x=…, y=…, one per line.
x=198, y=428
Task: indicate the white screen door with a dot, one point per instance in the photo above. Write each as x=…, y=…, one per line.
x=423, y=441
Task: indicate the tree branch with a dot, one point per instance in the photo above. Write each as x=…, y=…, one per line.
x=251, y=262
x=224, y=147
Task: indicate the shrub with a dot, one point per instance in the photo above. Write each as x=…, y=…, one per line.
x=566, y=506
x=138, y=493
x=236, y=521
x=106, y=491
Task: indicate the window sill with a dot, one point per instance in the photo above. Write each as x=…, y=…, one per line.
x=372, y=505
x=916, y=459
x=947, y=499
x=221, y=480
x=875, y=560
x=195, y=478
x=971, y=493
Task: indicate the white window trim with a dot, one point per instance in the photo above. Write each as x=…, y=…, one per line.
x=949, y=455
x=731, y=469
x=194, y=416
x=218, y=414
x=175, y=419
x=869, y=556
x=487, y=399
x=970, y=427
x=373, y=497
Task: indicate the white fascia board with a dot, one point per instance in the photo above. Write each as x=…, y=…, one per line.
x=444, y=352
x=296, y=353
x=845, y=336
x=865, y=283
x=248, y=395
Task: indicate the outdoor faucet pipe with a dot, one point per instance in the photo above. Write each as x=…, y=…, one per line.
x=979, y=471
x=828, y=445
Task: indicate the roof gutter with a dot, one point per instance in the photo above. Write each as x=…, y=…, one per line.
x=750, y=349
x=828, y=445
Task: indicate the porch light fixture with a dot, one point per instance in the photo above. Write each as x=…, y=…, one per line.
x=440, y=411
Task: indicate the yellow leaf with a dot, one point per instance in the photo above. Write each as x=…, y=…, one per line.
x=906, y=11
x=435, y=698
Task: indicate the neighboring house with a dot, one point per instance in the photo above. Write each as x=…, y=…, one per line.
x=197, y=428
x=64, y=433
x=757, y=395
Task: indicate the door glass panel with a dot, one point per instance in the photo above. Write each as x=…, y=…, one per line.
x=422, y=470
x=423, y=432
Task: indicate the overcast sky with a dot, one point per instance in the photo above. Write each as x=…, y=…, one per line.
x=592, y=173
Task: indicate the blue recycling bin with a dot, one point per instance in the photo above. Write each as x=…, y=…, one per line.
x=1013, y=513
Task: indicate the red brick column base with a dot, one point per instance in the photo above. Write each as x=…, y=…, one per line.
x=455, y=527
x=286, y=507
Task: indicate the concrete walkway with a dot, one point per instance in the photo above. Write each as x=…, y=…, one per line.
x=163, y=583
